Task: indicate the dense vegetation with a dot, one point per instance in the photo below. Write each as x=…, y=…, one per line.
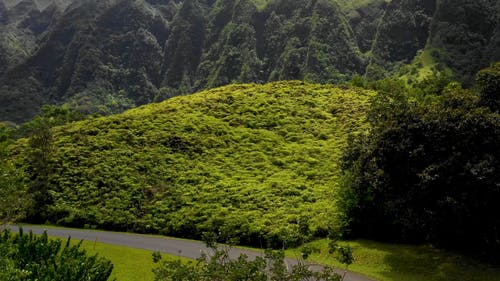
x=85, y=54
x=428, y=169
x=257, y=162
x=217, y=264
x=28, y=257
x=220, y=266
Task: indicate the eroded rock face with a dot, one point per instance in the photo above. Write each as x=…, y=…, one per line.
x=22, y=24
x=96, y=54
x=469, y=31
x=403, y=31
x=40, y=5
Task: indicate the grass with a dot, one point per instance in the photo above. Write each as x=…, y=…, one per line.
x=396, y=262
x=423, y=66
x=261, y=4
x=129, y=264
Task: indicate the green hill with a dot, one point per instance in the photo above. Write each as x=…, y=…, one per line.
x=258, y=162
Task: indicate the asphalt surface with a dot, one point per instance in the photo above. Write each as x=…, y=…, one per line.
x=179, y=247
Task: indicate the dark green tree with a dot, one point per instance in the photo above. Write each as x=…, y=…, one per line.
x=14, y=201
x=488, y=84
x=426, y=172
x=13, y=198
x=39, y=167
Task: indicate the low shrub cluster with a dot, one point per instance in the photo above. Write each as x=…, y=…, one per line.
x=28, y=257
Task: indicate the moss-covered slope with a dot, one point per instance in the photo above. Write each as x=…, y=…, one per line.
x=255, y=161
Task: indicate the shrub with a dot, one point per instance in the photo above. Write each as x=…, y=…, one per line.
x=28, y=257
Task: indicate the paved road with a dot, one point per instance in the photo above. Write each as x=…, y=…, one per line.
x=185, y=248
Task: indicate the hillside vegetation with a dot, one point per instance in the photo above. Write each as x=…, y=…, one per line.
x=258, y=162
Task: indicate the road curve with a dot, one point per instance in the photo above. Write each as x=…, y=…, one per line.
x=179, y=247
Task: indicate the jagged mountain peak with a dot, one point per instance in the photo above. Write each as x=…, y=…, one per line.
x=149, y=50
x=39, y=4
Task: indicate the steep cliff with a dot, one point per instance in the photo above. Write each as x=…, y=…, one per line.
x=106, y=56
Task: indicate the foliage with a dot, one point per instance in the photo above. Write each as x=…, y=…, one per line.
x=402, y=30
x=39, y=169
x=461, y=28
x=218, y=265
x=13, y=198
x=256, y=162
x=488, y=83
x=29, y=257
x=426, y=172
x=25, y=194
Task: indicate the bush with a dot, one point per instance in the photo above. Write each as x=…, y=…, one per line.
x=488, y=84
x=28, y=257
x=218, y=265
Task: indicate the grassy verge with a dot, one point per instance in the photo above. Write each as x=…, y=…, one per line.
x=130, y=264
x=395, y=262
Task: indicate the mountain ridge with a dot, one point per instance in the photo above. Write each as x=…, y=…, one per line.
x=105, y=56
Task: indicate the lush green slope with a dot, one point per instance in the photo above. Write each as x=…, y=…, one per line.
x=254, y=161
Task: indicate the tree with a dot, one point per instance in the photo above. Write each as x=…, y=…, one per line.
x=40, y=150
x=13, y=198
x=488, y=84
x=20, y=198
x=14, y=201
x=39, y=168
x=427, y=172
